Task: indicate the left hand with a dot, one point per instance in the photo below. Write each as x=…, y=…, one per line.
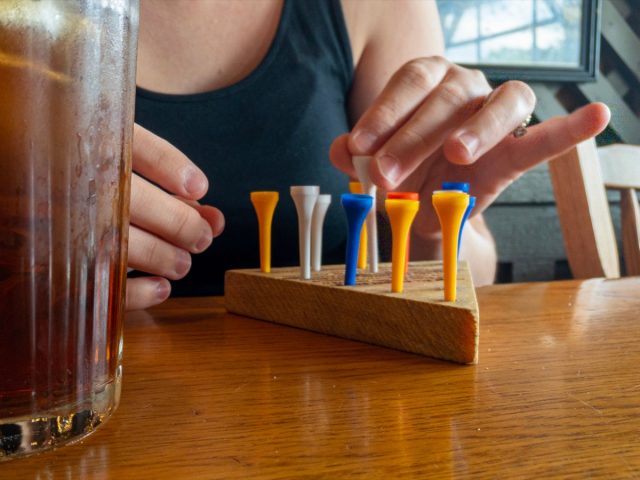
x=431, y=124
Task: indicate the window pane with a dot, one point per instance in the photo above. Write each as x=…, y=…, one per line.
x=514, y=48
x=521, y=32
x=500, y=16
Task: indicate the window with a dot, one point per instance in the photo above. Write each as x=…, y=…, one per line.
x=527, y=39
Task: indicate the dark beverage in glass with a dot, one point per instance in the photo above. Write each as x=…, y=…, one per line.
x=67, y=74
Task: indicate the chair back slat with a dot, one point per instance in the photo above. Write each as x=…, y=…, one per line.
x=630, y=213
x=583, y=210
x=620, y=166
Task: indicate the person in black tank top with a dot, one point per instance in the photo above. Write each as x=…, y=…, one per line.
x=421, y=118
x=271, y=130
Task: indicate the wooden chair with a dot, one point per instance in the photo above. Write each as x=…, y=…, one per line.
x=580, y=178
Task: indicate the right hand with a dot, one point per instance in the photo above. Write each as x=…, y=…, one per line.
x=168, y=225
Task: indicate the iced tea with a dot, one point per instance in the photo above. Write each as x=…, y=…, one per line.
x=66, y=109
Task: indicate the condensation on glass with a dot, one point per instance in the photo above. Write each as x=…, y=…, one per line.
x=67, y=78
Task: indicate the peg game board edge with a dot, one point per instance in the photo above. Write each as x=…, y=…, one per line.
x=407, y=322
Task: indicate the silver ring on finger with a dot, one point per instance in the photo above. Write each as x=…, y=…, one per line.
x=521, y=130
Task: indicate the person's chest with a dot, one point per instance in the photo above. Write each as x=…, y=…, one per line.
x=203, y=45
x=195, y=46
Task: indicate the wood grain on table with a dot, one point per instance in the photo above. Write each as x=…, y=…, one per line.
x=556, y=394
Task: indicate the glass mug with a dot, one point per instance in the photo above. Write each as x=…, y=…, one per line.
x=67, y=84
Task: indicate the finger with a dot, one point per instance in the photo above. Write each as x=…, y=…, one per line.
x=544, y=141
x=340, y=155
x=212, y=215
x=145, y=292
x=404, y=93
x=150, y=254
x=446, y=107
x=165, y=165
x=167, y=217
x=507, y=107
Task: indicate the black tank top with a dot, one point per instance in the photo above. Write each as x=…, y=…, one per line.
x=269, y=131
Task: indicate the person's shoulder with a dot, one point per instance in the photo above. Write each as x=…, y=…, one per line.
x=383, y=9
x=385, y=23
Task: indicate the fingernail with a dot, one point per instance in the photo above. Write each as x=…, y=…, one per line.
x=470, y=142
x=364, y=140
x=389, y=167
x=195, y=182
x=205, y=240
x=219, y=225
x=163, y=289
x=183, y=263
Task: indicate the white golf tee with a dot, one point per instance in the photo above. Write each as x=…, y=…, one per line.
x=319, y=213
x=361, y=165
x=305, y=198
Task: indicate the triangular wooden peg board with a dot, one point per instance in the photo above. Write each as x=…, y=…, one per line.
x=417, y=320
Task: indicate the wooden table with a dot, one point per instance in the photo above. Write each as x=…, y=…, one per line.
x=211, y=395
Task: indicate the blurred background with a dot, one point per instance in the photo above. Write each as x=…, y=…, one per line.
x=571, y=52
x=521, y=33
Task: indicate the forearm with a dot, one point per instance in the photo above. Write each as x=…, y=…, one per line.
x=478, y=248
